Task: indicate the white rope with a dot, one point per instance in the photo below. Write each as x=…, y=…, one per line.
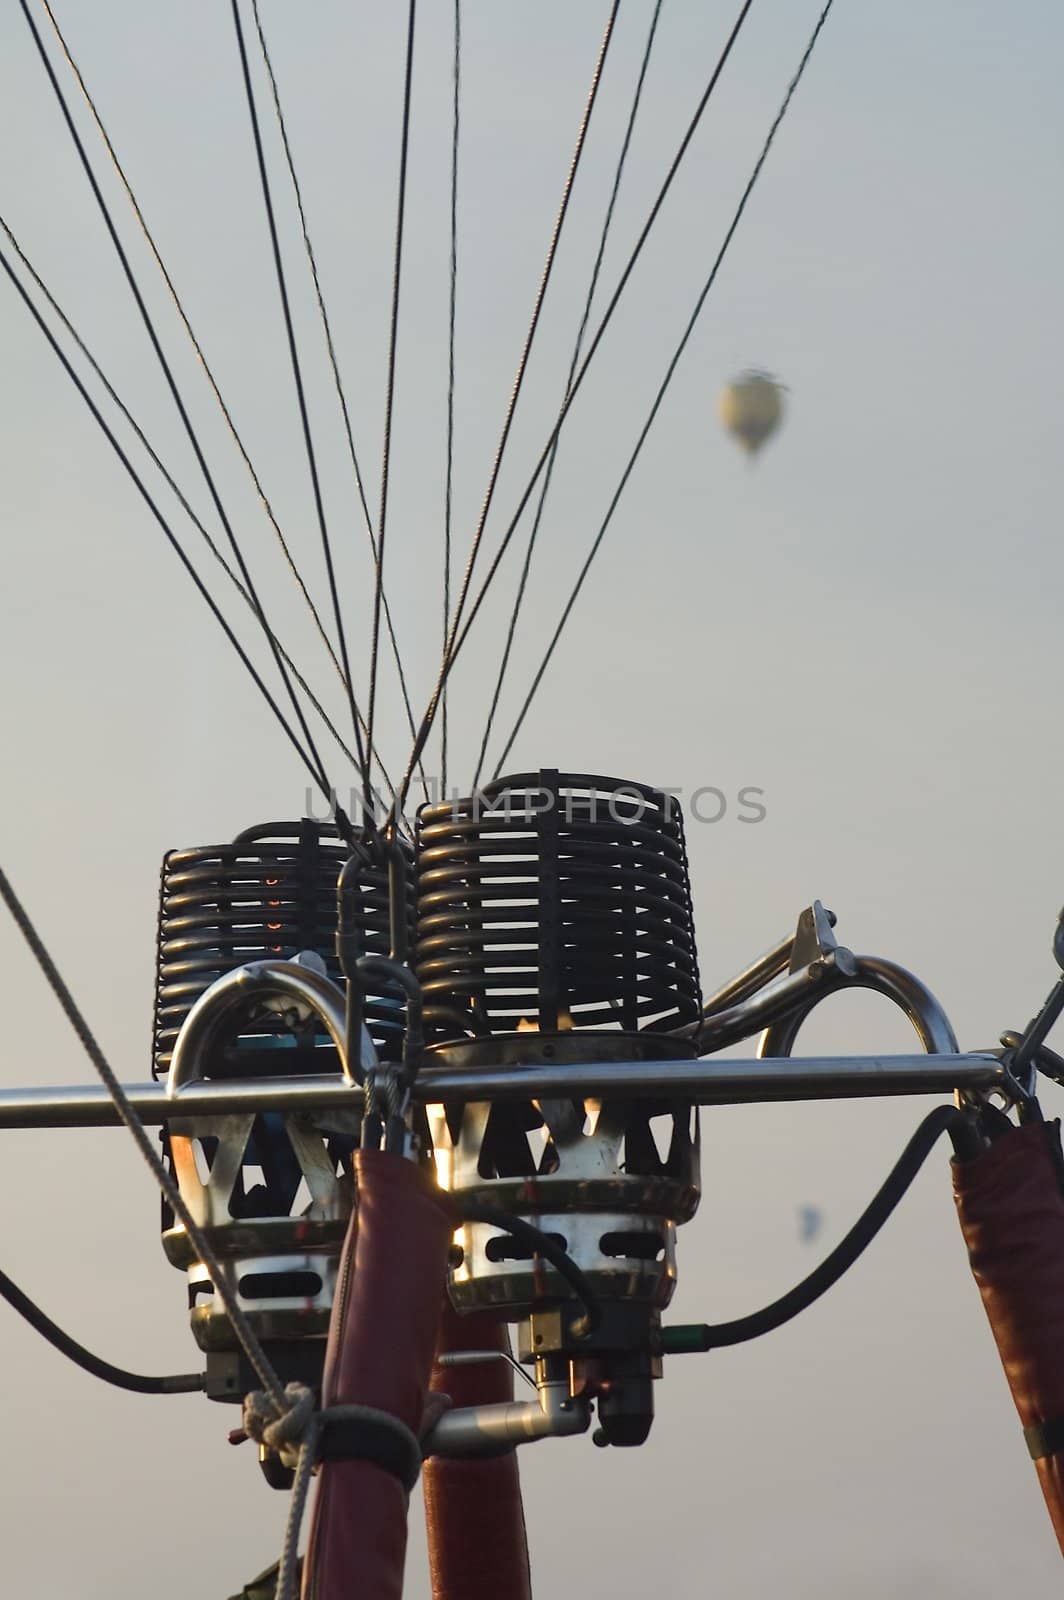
x=283, y=1432
x=293, y=1435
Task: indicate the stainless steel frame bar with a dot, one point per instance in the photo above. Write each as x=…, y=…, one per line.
x=715, y=1081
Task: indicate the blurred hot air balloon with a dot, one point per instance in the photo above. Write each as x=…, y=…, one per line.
x=751, y=408
x=810, y=1221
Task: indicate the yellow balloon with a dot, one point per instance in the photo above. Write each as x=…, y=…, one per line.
x=751, y=408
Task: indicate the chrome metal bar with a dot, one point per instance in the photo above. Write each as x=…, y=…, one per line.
x=811, y=953
x=794, y=994
x=711, y=1082
x=753, y=978
x=90, y=1106
x=484, y=1430
x=724, y=1082
x=908, y=992
x=476, y=1358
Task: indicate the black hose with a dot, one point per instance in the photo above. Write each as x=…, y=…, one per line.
x=944, y=1119
x=545, y=1246
x=138, y=1382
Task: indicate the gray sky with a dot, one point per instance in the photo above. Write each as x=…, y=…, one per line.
x=862, y=625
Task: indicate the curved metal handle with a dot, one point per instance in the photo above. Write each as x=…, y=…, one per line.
x=933, y=1027
x=280, y=981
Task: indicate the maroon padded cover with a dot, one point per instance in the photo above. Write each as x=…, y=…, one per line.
x=381, y=1341
x=1011, y=1211
x=476, y=1526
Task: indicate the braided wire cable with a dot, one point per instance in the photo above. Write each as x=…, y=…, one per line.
x=193, y=337
x=452, y=308
x=393, y=344
x=304, y=417
x=340, y=817
x=667, y=379
x=178, y=493
x=511, y=630
x=334, y=363
x=457, y=639
x=245, y=1333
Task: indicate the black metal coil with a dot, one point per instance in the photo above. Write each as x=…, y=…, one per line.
x=555, y=900
x=271, y=894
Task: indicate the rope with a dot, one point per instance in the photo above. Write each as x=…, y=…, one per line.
x=218, y=1273
x=284, y=1419
x=181, y=498
x=292, y=1434
x=393, y=340
x=667, y=380
x=59, y=1339
x=341, y=820
x=458, y=639
x=304, y=417
x=450, y=382
x=208, y=373
x=333, y=360
x=549, y=472
x=171, y=384
x=295, y=1436
x=282, y=1433
x=288, y=1573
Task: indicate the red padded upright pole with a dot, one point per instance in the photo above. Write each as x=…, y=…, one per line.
x=1011, y=1209
x=381, y=1341
x=476, y=1526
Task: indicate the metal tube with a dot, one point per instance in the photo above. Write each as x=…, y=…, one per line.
x=795, y=994
x=750, y=980
x=266, y=981
x=723, y=1082
x=713, y=1082
x=933, y=1027
x=483, y=1430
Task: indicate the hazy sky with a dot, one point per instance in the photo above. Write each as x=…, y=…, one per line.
x=863, y=624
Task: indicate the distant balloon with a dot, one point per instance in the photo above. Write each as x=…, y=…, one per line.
x=810, y=1221
x=751, y=408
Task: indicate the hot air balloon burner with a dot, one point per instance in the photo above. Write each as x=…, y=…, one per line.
x=555, y=927
x=249, y=987
x=270, y=895
x=608, y=1180
x=282, y=1262
x=555, y=901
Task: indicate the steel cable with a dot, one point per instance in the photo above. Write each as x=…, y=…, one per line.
x=393, y=341
x=447, y=507
x=340, y=816
x=458, y=639
x=548, y=474
x=304, y=417
x=333, y=361
x=667, y=380
x=522, y=367
x=175, y=393
x=179, y=307
x=242, y=1328
x=176, y=490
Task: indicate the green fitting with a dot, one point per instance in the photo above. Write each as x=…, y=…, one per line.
x=685, y=1338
